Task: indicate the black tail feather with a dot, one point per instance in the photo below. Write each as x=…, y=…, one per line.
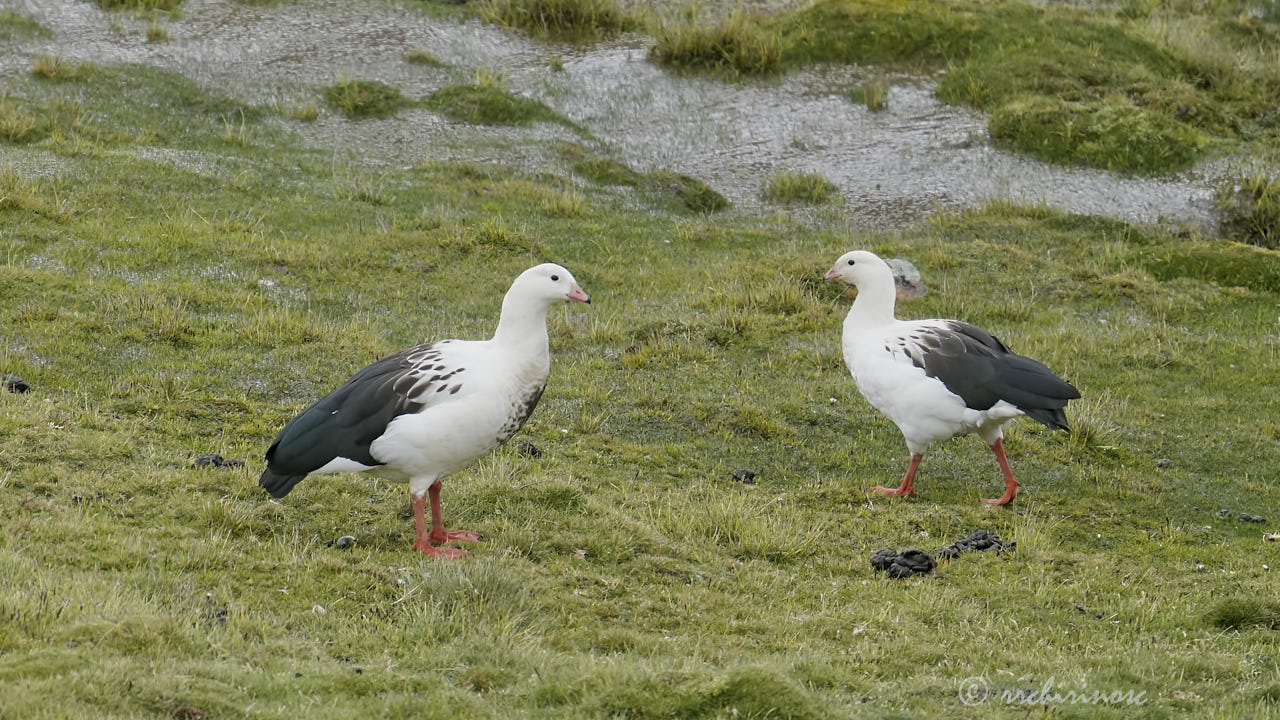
x=1053, y=417
x=279, y=485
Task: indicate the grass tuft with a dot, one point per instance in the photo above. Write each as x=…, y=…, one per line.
x=873, y=95
x=789, y=187
x=418, y=56
x=140, y=5
x=364, y=98
x=1244, y=614
x=1113, y=133
x=156, y=32
x=487, y=102
x=56, y=68
x=1249, y=209
x=14, y=24
x=739, y=45
x=577, y=20
x=1225, y=263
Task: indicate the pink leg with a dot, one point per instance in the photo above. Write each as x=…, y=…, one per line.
x=1010, y=484
x=906, y=488
x=422, y=540
x=439, y=535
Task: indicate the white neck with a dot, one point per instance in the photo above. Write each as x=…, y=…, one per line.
x=523, y=324
x=875, y=301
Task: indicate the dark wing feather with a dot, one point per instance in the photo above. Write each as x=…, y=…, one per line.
x=345, y=422
x=976, y=366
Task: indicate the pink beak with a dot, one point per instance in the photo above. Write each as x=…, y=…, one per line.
x=575, y=293
x=831, y=274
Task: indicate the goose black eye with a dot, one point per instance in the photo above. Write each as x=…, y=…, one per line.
x=850, y=262
x=554, y=278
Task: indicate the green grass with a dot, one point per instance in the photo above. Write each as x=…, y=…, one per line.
x=161, y=310
x=55, y=68
x=15, y=25
x=1150, y=92
x=739, y=44
x=488, y=102
x=418, y=56
x=577, y=20
x=667, y=190
x=364, y=98
x=1249, y=209
x=787, y=187
x=874, y=95
x=140, y=5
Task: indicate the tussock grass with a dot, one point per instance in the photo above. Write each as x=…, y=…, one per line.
x=577, y=20
x=789, y=187
x=1249, y=209
x=488, y=102
x=740, y=44
x=364, y=98
x=55, y=68
x=874, y=95
x=418, y=56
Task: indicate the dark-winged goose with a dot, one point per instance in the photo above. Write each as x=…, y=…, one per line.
x=423, y=413
x=937, y=379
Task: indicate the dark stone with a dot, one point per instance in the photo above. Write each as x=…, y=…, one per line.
x=1164, y=463
x=977, y=540
x=528, y=449
x=1224, y=512
x=745, y=476
x=345, y=542
x=14, y=384
x=904, y=564
x=1249, y=517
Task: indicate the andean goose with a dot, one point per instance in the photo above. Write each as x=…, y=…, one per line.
x=939, y=378
x=429, y=411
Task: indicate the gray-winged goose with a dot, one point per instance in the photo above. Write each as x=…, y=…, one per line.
x=937, y=379
x=429, y=411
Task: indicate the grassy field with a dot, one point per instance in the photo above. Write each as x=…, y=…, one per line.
x=184, y=276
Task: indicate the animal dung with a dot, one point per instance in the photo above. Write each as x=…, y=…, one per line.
x=204, y=460
x=975, y=541
x=14, y=384
x=902, y=564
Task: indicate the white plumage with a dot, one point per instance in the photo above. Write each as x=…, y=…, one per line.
x=936, y=379
x=431, y=410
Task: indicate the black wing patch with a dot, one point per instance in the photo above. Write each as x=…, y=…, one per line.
x=981, y=370
x=345, y=422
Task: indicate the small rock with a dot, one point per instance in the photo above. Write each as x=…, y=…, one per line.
x=1249, y=517
x=904, y=564
x=14, y=384
x=906, y=277
x=745, y=476
x=345, y=542
x=528, y=449
x=1164, y=463
x=1224, y=512
x=72, y=643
